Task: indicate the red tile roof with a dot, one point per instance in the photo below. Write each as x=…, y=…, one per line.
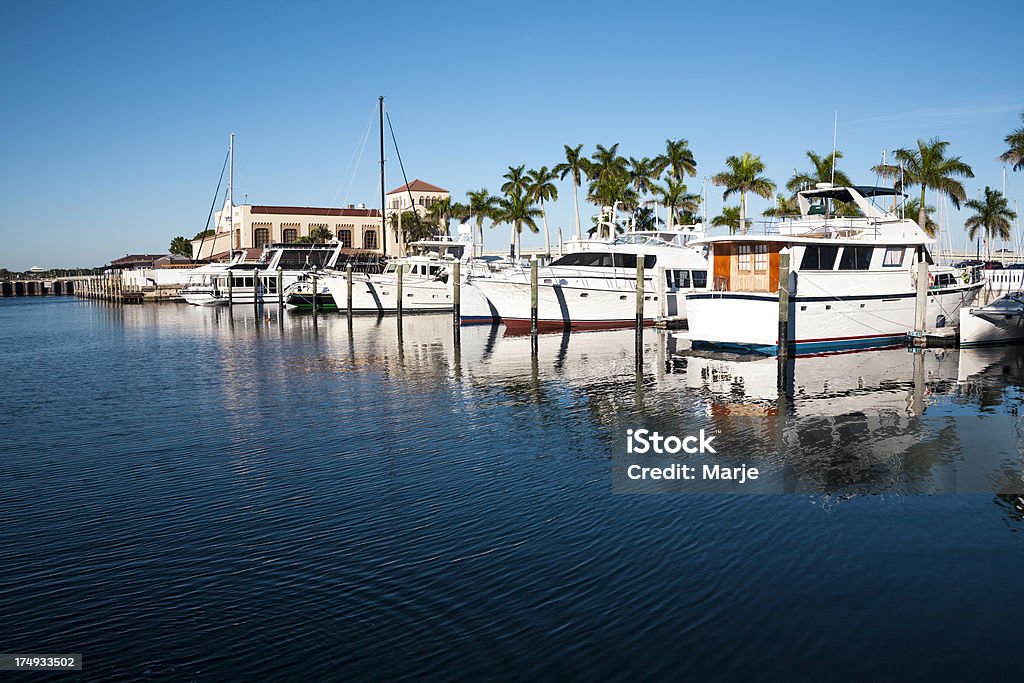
x=418, y=186
x=317, y=211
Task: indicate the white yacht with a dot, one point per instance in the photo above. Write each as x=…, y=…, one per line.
x=852, y=280
x=999, y=322
x=594, y=286
x=252, y=280
x=426, y=283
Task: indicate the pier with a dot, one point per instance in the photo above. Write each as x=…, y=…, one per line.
x=62, y=286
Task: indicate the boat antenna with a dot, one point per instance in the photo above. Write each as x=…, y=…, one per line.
x=835, y=138
x=383, y=197
x=394, y=140
x=213, y=205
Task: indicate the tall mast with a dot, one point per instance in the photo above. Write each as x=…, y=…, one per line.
x=383, y=222
x=231, y=197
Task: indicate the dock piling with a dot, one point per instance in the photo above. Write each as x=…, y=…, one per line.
x=398, y=297
x=533, y=295
x=348, y=287
x=783, y=341
x=231, y=287
x=639, y=351
x=280, y=290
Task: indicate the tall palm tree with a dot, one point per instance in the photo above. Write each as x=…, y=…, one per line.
x=517, y=209
x=992, y=215
x=743, y=176
x=729, y=218
x=1015, y=154
x=643, y=173
x=674, y=196
x=678, y=159
x=930, y=168
x=442, y=211
x=575, y=165
x=481, y=205
x=515, y=180
x=541, y=187
x=822, y=172
x=913, y=206
x=609, y=178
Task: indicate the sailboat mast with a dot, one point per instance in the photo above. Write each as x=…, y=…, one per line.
x=383, y=222
x=231, y=197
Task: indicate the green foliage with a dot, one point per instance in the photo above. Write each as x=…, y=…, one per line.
x=181, y=247
x=1015, y=141
x=413, y=227
x=729, y=218
x=784, y=206
x=820, y=173
x=912, y=207
x=317, y=235
x=678, y=159
x=929, y=168
x=992, y=216
x=204, y=233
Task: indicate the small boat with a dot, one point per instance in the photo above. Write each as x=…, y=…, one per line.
x=594, y=286
x=999, y=322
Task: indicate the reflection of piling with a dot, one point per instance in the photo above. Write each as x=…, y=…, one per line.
x=456, y=300
x=639, y=311
x=533, y=295
x=783, y=341
x=280, y=291
x=348, y=288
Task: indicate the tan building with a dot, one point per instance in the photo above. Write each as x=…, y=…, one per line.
x=356, y=227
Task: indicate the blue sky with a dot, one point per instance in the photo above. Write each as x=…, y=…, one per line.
x=115, y=116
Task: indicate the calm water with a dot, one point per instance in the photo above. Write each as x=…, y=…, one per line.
x=192, y=496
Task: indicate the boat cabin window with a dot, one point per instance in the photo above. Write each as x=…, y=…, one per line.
x=817, y=257
x=677, y=279
x=855, y=258
x=434, y=270
x=603, y=260
x=753, y=257
x=700, y=279
x=893, y=257
x=390, y=268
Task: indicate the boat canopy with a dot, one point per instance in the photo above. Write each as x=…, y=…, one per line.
x=857, y=194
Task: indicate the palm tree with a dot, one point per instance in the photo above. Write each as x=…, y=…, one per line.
x=928, y=167
x=515, y=180
x=913, y=206
x=517, y=209
x=823, y=172
x=609, y=179
x=482, y=204
x=180, y=246
x=674, y=196
x=743, y=176
x=784, y=206
x=729, y=218
x=992, y=215
x=316, y=235
x=678, y=159
x=442, y=211
x=575, y=165
x=643, y=173
x=407, y=227
x=1015, y=154
x=541, y=187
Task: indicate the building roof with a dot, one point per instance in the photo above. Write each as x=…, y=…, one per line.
x=251, y=254
x=136, y=258
x=418, y=186
x=317, y=211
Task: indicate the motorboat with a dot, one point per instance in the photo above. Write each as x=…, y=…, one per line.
x=999, y=322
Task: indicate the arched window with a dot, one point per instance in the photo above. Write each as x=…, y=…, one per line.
x=370, y=239
x=260, y=237
x=290, y=235
x=421, y=201
x=345, y=237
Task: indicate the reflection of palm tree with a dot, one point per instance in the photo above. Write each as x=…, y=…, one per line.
x=575, y=165
x=992, y=216
x=541, y=187
x=928, y=167
x=743, y=176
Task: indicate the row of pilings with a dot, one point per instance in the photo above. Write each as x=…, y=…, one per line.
x=56, y=287
x=108, y=287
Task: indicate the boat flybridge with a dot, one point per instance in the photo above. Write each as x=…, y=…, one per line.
x=851, y=282
x=594, y=286
x=209, y=285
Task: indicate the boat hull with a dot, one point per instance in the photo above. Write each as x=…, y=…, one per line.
x=976, y=330
x=747, y=322
x=380, y=296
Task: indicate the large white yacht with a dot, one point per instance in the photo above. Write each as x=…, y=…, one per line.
x=426, y=283
x=208, y=285
x=594, y=286
x=851, y=283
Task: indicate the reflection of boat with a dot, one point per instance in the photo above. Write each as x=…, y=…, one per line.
x=594, y=287
x=1000, y=322
x=851, y=282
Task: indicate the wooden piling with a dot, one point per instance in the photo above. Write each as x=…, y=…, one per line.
x=456, y=294
x=639, y=351
x=348, y=287
x=256, y=291
x=783, y=340
x=921, y=302
x=280, y=290
x=398, y=298
x=231, y=289
x=533, y=295
x=313, y=274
